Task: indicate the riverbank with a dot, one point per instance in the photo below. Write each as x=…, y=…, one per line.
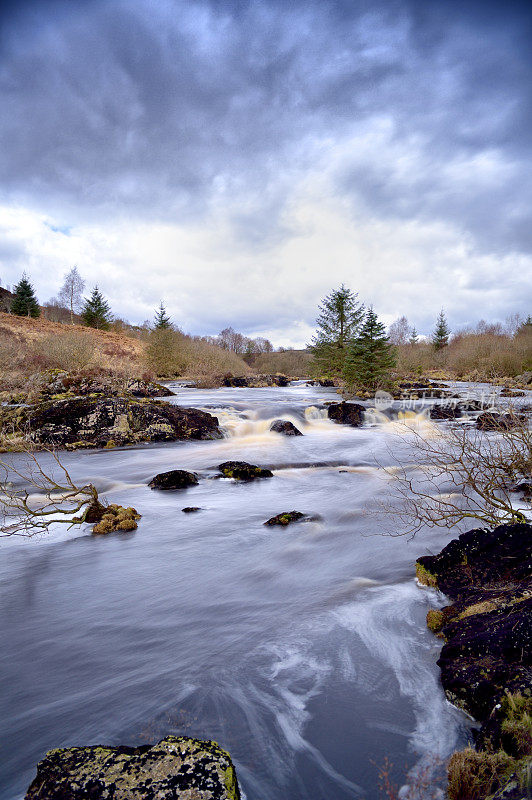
x=486, y=661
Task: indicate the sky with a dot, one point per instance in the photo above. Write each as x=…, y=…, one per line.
x=239, y=160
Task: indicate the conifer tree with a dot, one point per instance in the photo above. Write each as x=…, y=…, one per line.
x=24, y=303
x=413, y=338
x=96, y=312
x=440, y=337
x=338, y=323
x=161, y=320
x=371, y=356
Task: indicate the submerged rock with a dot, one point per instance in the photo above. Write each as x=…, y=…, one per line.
x=346, y=413
x=105, y=421
x=176, y=767
x=285, y=427
x=190, y=509
x=286, y=518
x=242, y=471
x=174, y=479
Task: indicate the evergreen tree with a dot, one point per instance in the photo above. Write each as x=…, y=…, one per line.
x=162, y=320
x=338, y=323
x=414, y=338
x=96, y=312
x=440, y=337
x=371, y=356
x=24, y=303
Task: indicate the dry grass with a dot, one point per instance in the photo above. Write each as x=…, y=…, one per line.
x=295, y=363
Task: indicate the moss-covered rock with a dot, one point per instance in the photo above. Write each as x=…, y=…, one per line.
x=95, y=421
x=176, y=767
x=286, y=518
x=174, y=479
x=242, y=471
x=117, y=518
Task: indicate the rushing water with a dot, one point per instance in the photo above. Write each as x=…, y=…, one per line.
x=302, y=650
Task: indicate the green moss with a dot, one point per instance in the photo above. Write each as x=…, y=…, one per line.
x=425, y=577
x=435, y=620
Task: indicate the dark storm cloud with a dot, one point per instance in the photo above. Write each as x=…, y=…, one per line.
x=163, y=108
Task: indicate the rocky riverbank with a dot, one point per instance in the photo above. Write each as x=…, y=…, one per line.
x=486, y=661
x=175, y=767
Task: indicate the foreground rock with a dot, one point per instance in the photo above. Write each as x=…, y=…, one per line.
x=116, y=518
x=176, y=767
x=486, y=661
x=242, y=471
x=285, y=427
x=286, y=518
x=174, y=479
x=346, y=413
x=492, y=421
x=108, y=422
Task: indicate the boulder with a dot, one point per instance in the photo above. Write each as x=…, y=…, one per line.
x=239, y=382
x=492, y=421
x=512, y=393
x=285, y=427
x=140, y=388
x=326, y=382
x=117, y=518
x=346, y=413
x=286, y=518
x=450, y=411
x=174, y=479
x=242, y=471
x=97, y=421
x=176, y=767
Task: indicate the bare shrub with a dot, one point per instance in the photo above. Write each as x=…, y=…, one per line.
x=72, y=352
x=289, y=362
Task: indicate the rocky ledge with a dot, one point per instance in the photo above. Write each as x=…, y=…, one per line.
x=176, y=767
x=486, y=661
x=106, y=422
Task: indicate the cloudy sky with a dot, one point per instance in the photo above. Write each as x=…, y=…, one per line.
x=238, y=159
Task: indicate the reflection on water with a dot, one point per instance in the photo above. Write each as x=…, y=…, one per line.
x=303, y=650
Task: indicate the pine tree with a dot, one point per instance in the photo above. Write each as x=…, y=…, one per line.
x=96, y=312
x=24, y=303
x=440, y=337
x=161, y=320
x=338, y=323
x=414, y=338
x=371, y=356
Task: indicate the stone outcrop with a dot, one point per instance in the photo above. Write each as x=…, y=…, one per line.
x=346, y=413
x=486, y=661
x=174, y=479
x=242, y=471
x=109, y=421
x=176, y=767
x=285, y=427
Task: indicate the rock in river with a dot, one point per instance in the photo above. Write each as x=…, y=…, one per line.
x=176, y=767
x=449, y=411
x=491, y=421
x=286, y=518
x=106, y=421
x=285, y=427
x=346, y=413
x=174, y=479
x=242, y=471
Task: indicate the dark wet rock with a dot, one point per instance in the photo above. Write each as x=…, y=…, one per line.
x=286, y=518
x=525, y=487
x=190, y=509
x=346, y=413
x=285, y=427
x=492, y=421
x=471, y=405
x=117, y=518
x=242, y=471
x=176, y=767
x=236, y=381
x=174, y=479
x=326, y=382
x=512, y=393
x=94, y=512
x=110, y=421
x=488, y=628
x=140, y=388
x=451, y=411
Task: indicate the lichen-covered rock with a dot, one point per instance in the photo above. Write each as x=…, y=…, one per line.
x=174, y=479
x=177, y=768
x=96, y=421
x=285, y=427
x=346, y=413
x=117, y=518
x=285, y=518
x=242, y=471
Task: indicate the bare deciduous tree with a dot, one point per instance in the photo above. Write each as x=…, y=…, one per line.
x=33, y=498
x=71, y=293
x=462, y=473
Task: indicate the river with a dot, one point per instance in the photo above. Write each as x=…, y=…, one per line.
x=301, y=650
